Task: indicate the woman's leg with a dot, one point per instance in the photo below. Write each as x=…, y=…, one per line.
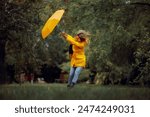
x=76, y=74
x=71, y=74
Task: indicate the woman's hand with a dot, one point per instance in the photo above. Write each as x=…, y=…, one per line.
x=64, y=34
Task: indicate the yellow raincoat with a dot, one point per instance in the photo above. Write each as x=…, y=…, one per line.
x=78, y=58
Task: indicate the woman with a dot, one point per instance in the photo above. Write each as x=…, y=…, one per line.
x=78, y=59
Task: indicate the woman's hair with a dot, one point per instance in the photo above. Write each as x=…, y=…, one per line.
x=83, y=35
x=82, y=38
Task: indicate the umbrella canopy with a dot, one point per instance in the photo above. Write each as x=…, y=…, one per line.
x=51, y=23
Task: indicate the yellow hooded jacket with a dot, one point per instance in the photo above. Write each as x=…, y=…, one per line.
x=78, y=58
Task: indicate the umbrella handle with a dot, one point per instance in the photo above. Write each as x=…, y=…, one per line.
x=59, y=29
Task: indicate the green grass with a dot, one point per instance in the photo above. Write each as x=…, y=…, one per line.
x=79, y=92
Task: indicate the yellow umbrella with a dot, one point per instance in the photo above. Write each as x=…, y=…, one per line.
x=51, y=23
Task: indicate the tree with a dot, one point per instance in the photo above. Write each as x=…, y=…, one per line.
x=17, y=21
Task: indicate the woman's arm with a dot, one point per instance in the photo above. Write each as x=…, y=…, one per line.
x=72, y=40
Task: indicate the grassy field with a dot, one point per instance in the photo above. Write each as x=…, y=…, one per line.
x=79, y=92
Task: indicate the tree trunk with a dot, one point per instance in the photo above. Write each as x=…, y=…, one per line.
x=2, y=62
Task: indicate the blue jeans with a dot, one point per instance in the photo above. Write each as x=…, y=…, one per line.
x=74, y=74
